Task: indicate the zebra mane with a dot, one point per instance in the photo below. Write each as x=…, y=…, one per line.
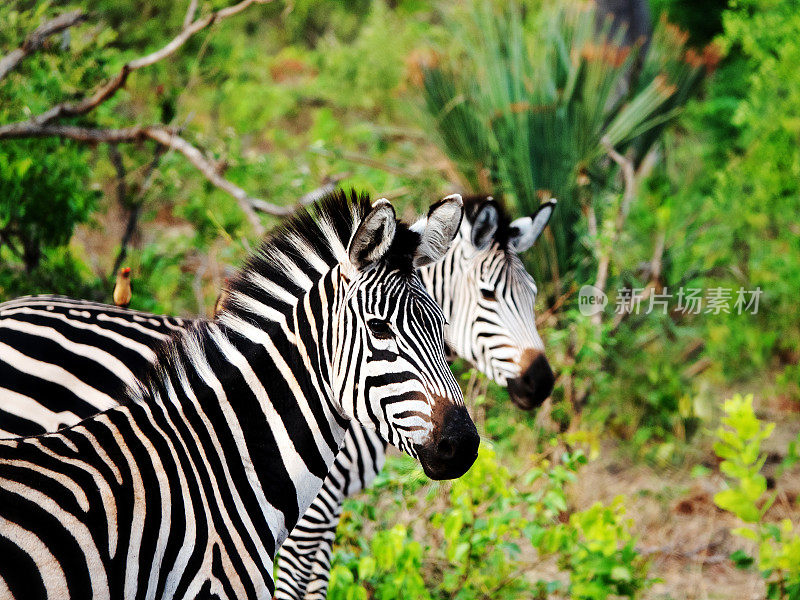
x=310, y=243
x=291, y=259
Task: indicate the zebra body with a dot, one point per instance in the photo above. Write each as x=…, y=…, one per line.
x=189, y=484
x=62, y=360
x=489, y=305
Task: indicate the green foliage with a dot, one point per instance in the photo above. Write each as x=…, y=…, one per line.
x=391, y=570
x=739, y=446
x=598, y=550
x=274, y=94
x=66, y=65
x=759, y=200
x=703, y=20
x=58, y=270
x=723, y=199
x=739, y=441
x=528, y=109
x=45, y=186
x=43, y=195
x=494, y=528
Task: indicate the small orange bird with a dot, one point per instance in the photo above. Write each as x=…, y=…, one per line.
x=122, y=289
x=223, y=295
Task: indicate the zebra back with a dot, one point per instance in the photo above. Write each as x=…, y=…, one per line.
x=62, y=360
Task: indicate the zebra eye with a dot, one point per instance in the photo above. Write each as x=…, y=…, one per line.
x=380, y=329
x=488, y=294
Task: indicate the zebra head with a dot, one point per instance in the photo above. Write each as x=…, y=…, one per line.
x=388, y=353
x=488, y=298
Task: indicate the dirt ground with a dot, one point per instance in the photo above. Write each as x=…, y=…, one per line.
x=687, y=537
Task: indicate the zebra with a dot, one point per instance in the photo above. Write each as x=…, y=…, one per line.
x=488, y=298
x=483, y=258
x=189, y=485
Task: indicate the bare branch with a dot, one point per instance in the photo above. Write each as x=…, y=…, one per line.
x=628, y=195
x=652, y=285
x=328, y=185
x=190, y=12
x=134, y=206
x=111, y=87
x=399, y=192
x=555, y=306
x=119, y=167
x=164, y=136
x=248, y=204
x=629, y=175
x=40, y=125
x=35, y=40
x=367, y=161
x=180, y=39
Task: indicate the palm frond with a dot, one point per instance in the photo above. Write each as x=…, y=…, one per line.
x=533, y=100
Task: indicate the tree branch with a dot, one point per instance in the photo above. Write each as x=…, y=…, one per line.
x=40, y=125
x=119, y=167
x=628, y=195
x=629, y=175
x=328, y=185
x=111, y=87
x=367, y=161
x=36, y=39
x=190, y=12
x=134, y=206
x=164, y=136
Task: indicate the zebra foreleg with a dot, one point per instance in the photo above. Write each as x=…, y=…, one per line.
x=305, y=557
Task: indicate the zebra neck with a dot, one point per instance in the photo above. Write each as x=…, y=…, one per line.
x=272, y=378
x=442, y=278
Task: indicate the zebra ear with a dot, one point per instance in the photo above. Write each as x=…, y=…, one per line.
x=374, y=236
x=526, y=230
x=438, y=230
x=485, y=224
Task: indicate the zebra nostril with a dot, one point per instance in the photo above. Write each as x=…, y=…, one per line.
x=445, y=449
x=454, y=446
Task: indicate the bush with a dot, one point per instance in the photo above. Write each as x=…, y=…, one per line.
x=738, y=444
x=529, y=108
x=44, y=194
x=489, y=539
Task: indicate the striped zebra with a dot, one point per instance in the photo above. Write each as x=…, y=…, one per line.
x=488, y=298
x=481, y=283
x=189, y=485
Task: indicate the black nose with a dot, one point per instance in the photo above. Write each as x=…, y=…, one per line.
x=454, y=446
x=534, y=384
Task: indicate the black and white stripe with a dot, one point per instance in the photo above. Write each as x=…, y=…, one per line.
x=494, y=331
x=62, y=360
x=188, y=487
x=488, y=299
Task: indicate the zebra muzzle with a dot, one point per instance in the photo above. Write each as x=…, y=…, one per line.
x=535, y=382
x=453, y=446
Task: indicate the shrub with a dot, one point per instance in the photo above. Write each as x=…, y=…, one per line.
x=490, y=539
x=739, y=440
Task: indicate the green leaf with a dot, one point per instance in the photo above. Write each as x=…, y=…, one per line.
x=741, y=560
x=621, y=573
x=22, y=166
x=745, y=532
x=366, y=567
